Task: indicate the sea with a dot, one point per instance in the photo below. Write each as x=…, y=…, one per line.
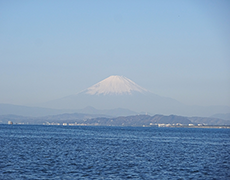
x=96, y=152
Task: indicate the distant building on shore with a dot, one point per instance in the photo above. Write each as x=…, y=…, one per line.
x=10, y=122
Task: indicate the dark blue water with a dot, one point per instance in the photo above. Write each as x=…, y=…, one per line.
x=63, y=152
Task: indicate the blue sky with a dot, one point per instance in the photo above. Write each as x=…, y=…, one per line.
x=178, y=49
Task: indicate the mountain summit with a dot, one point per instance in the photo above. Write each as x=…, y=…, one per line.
x=114, y=85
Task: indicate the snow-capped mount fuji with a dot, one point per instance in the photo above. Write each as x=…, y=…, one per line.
x=119, y=92
x=114, y=85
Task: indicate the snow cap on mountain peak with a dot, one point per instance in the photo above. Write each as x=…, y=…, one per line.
x=114, y=85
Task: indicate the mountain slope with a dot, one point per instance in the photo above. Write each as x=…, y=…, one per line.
x=110, y=112
x=28, y=111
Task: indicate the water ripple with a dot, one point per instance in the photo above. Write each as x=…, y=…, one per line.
x=56, y=152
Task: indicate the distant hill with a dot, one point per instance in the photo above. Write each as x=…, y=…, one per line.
x=139, y=120
x=222, y=116
x=97, y=119
x=62, y=118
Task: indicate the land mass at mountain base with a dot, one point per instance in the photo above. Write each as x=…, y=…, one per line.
x=105, y=120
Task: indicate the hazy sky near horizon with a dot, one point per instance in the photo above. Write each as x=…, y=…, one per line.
x=178, y=49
